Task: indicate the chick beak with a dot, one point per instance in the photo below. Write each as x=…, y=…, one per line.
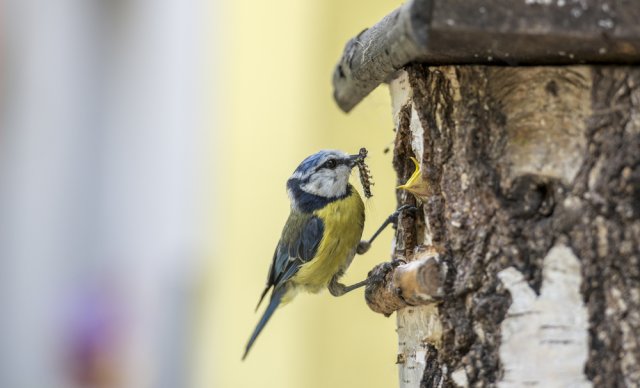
x=353, y=160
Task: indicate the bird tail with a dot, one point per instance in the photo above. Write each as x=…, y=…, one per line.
x=276, y=297
x=264, y=293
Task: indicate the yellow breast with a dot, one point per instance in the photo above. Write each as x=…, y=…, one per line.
x=343, y=223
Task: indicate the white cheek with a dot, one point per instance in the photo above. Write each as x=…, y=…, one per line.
x=343, y=173
x=328, y=183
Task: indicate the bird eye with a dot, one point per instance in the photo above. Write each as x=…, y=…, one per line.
x=329, y=164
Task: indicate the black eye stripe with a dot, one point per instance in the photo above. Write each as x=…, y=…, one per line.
x=331, y=163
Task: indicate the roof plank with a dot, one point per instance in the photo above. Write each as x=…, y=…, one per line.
x=498, y=32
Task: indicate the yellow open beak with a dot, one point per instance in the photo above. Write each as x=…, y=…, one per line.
x=416, y=185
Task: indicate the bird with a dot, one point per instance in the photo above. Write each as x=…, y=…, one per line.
x=321, y=235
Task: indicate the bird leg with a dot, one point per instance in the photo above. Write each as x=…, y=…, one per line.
x=363, y=246
x=338, y=289
x=377, y=275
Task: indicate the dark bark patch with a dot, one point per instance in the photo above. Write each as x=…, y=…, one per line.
x=432, y=376
x=432, y=94
x=606, y=235
x=406, y=233
x=552, y=88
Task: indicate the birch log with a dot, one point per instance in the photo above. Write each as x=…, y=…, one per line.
x=533, y=204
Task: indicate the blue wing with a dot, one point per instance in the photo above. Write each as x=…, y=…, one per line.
x=298, y=244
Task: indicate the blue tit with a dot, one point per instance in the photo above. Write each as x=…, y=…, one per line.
x=321, y=235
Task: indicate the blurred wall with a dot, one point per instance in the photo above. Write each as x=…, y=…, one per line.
x=276, y=66
x=139, y=137
x=100, y=190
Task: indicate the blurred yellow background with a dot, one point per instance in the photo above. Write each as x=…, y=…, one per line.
x=144, y=151
x=275, y=94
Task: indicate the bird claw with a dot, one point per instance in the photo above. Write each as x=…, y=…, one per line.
x=396, y=214
x=363, y=247
x=378, y=275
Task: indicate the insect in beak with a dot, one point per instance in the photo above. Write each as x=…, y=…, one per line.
x=363, y=169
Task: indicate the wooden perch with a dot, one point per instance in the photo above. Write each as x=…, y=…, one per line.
x=417, y=282
x=532, y=32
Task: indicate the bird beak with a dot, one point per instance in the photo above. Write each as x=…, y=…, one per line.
x=353, y=160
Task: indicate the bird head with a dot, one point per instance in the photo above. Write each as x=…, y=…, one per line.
x=324, y=174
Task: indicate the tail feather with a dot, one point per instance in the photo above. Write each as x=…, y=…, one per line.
x=276, y=297
x=264, y=293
